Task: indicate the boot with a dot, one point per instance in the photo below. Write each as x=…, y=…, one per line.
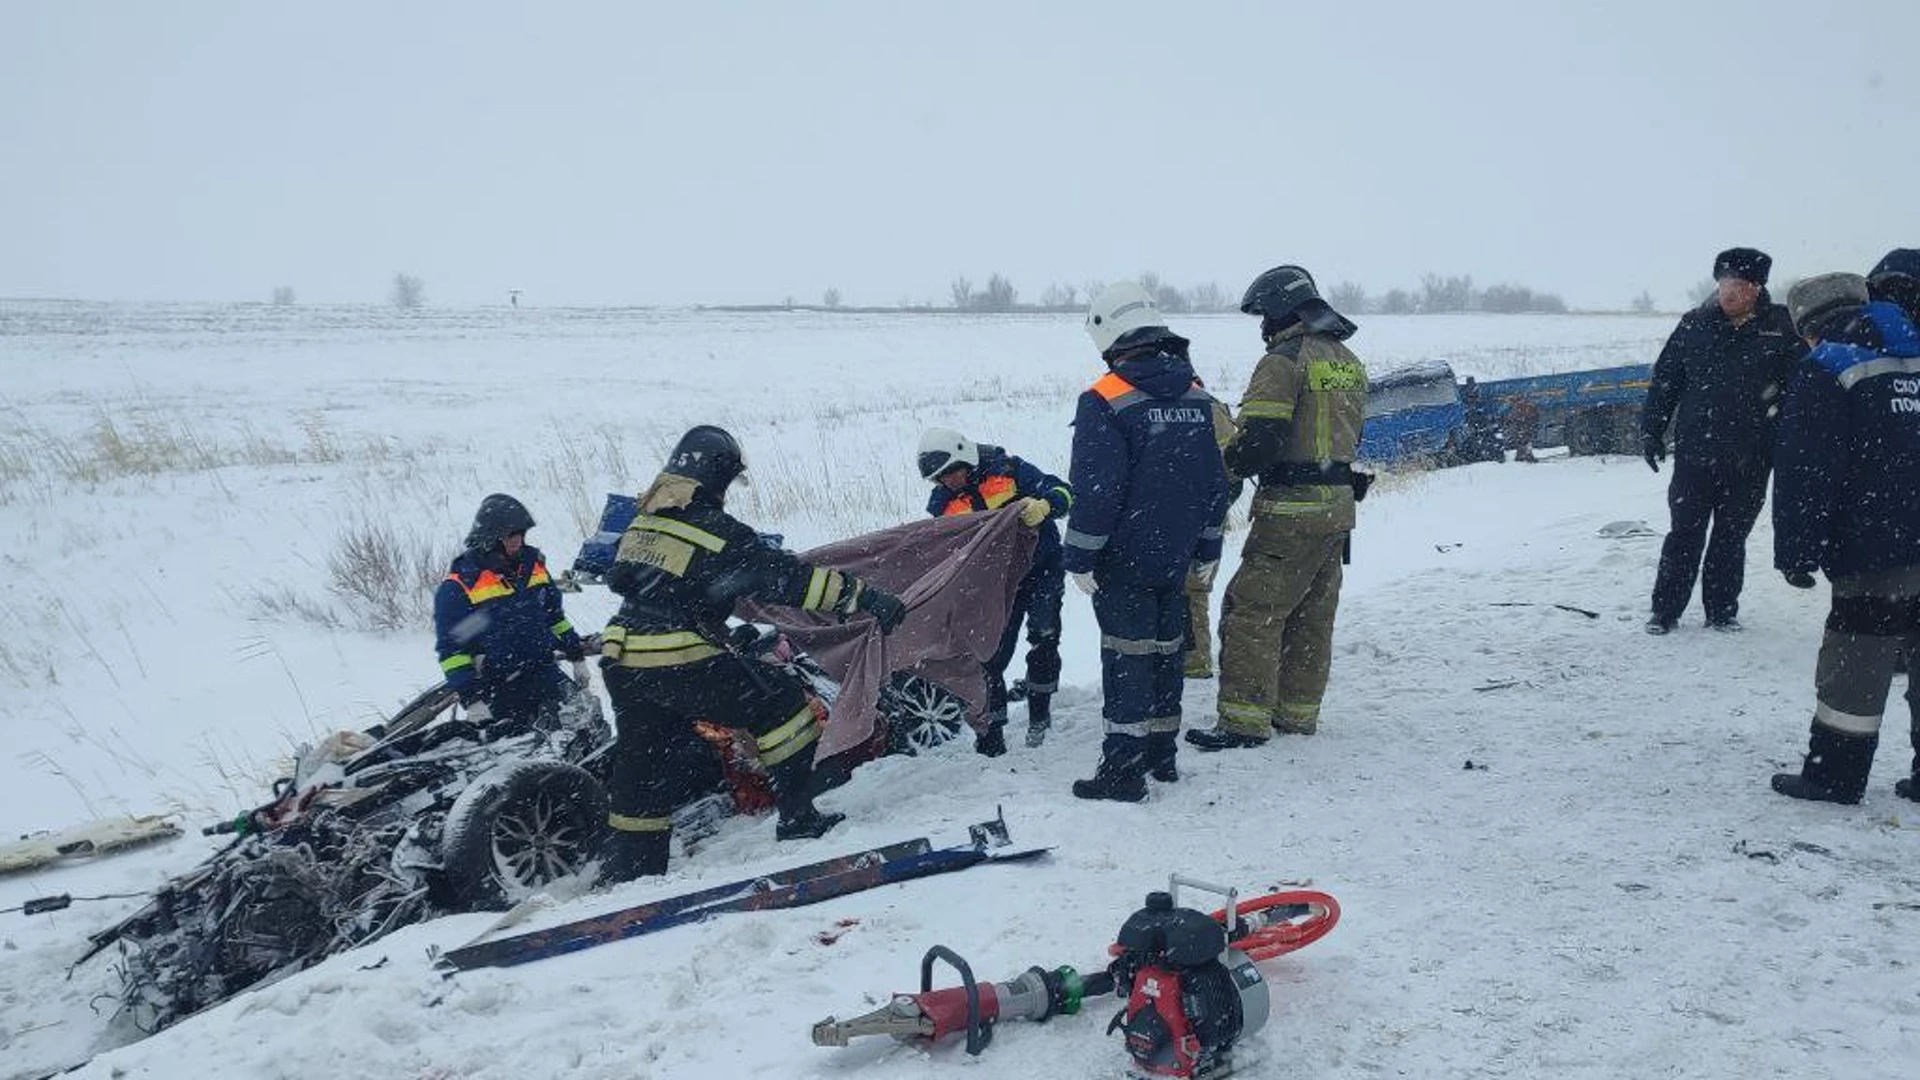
x=1163, y=751
x=1119, y=776
x=993, y=741
x=630, y=855
x=793, y=797
x=1835, y=769
x=1039, y=718
x=1220, y=738
x=1908, y=788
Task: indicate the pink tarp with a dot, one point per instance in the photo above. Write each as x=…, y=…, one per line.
x=958, y=576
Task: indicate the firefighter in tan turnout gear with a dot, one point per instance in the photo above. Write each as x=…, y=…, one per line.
x=1299, y=424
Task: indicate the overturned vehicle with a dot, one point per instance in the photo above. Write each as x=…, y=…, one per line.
x=431, y=813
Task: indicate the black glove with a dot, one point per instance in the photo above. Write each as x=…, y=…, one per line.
x=1360, y=482
x=1799, y=579
x=1654, y=449
x=886, y=608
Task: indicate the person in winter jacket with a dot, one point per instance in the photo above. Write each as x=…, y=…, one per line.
x=1846, y=504
x=1149, y=495
x=1300, y=423
x=498, y=621
x=969, y=477
x=1896, y=279
x=666, y=658
x=1718, y=382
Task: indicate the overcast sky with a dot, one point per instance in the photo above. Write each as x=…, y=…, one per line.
x=745, y=152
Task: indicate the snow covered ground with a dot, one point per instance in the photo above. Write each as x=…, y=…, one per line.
x=1610, y=890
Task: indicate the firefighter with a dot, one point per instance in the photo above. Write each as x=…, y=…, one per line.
x=1847, y=504
x=1198, y=660
x=970, y=477
x=680, y=567
x=498, y=622
x=1150, y=491
x=1299, y=425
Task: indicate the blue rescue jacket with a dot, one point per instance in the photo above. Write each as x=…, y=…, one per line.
x=1149, y=486
x=1846, y=487
x=999, y=479
x=508, y=612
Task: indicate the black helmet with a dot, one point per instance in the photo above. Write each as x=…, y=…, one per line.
x=1287, y=294
x=708, y=456
x=499, y=517
x=1279, y=292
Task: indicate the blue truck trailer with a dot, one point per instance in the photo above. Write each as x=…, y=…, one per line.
x=1426, y=415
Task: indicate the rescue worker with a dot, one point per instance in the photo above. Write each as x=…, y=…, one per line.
x=1718, y=380
x=498, y=621
x=1847, y=504
x=1299, y=426
x=1149, y=494
x=970, y=477
x=1896, y=279
x=1198, y=661
x=665, y=657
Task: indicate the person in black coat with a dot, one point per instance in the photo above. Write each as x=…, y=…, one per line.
x=1718, y=383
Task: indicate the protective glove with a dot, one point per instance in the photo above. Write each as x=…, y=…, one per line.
x=479, y=712
x=582, y=675
x=1201, y=574
x=1799, y=579
x=1653, y=449
x=1085, y=583
x=886, y=608
x=1033, y=512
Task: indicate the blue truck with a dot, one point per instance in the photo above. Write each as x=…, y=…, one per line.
x=1426, y=415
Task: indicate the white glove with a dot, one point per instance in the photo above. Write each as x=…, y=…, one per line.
x=1201, y=573
x=1085, y=583
x=479, y=713
x=582, y=675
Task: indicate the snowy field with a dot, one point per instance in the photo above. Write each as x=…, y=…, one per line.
x=1609, y=891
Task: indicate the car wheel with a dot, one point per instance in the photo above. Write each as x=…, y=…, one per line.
x=920, y=714
x=518, y=828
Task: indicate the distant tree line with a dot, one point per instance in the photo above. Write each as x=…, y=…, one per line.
x=1436, y=294
x=1443, y=294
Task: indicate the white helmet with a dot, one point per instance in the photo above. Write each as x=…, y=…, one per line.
x=1119, y=310
x=943, y=448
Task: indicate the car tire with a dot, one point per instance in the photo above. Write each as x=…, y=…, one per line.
x=518, y=828
x=920, y=714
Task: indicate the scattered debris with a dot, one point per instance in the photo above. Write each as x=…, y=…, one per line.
x=838, y=930
x=1562, y=607
x=1499, y=684
x=1740, y=847
x=1471, y=767
x=1621, y=530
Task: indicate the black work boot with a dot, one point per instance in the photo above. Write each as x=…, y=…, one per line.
x=993, y=741
x=793, y=797
x=1039, y=718
x=1835, y=769
x=1163, y=753
x=1908, y=788
x=1219, y=738
x=630, y=855
x=1121, y=773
